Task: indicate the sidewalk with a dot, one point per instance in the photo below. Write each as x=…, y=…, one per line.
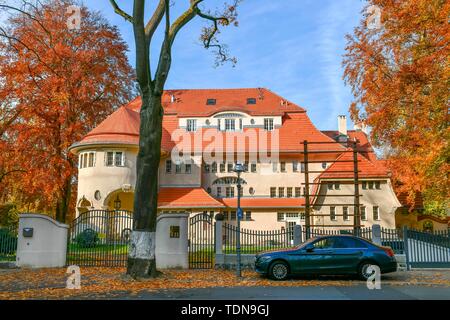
x=113, y=283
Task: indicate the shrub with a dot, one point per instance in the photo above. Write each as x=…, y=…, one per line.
x=87, y=239
x=9, y=215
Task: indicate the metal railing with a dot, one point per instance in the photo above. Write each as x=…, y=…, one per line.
x=8, y=243
x=100, y=238
x=393, y=238
x=254, y=241
x=365, y=233
x=428, y=249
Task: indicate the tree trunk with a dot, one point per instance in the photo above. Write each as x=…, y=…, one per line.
x=62, y=204
x=141, y=259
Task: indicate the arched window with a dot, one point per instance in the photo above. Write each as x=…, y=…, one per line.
x=229, y=180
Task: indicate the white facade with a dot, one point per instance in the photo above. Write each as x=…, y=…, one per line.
x=107, y=171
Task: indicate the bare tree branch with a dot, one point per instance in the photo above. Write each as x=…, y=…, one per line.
x=209, y=33
x=27, y=14
x=165, y=57
x=155, y=20
x=183, y=19
x=120, y=12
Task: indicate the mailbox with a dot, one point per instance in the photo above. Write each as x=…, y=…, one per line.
x=27, y=232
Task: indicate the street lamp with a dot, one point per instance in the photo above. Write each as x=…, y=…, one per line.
x=239, y=168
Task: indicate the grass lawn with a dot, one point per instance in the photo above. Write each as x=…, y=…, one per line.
x=251, y=249
x=8, y=257
x=100, y=253
x=106, y=248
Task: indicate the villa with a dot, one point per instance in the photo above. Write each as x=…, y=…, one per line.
x=205, y=132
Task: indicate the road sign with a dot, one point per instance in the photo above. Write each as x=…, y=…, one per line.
x=240, y=213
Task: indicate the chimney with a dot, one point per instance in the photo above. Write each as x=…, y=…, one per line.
x=342, y=125
x=172, y=98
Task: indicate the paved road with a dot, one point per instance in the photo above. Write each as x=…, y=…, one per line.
x=302, y=293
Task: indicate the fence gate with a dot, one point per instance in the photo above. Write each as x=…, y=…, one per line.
x=8, y=243
x=100, y=238
x=201, y=241
x=428, y=249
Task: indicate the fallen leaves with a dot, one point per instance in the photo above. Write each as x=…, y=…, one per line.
x=113, y=282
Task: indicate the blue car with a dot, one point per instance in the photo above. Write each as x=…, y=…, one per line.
x=327, y=255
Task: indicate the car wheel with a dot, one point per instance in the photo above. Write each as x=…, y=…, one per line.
x=279, y=270
x=363, y=270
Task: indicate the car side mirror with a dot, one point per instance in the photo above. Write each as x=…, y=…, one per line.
x=309, y=248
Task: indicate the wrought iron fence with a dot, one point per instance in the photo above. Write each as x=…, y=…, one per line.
x=8, y=243
x=201, y=241
x=365, y=233
x=100, y=238
x=428, y=249
x=254, y=241
x=393, y=238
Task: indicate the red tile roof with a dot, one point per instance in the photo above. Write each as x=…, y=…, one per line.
x=363, y=145
x=265, y=202
x=192, y=102
x=123, y=125
x=186, y=198
x=368, y=169
x=443, y=220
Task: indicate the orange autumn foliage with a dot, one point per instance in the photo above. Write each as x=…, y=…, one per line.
x=56, y=84
x=399, y=74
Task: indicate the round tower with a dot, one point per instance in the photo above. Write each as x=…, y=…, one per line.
x=107, y=162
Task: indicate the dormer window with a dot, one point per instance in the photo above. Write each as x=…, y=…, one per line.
x=251, y=100
x=210, y=102
x=191, y=125
x=268, y=124
x=230, y=125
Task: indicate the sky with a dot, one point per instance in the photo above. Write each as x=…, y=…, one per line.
x=292, y=47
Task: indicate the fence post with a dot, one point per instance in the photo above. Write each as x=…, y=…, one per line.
x=376, y=234
x=406, y=248
x=219, y=236
x=297, y=234
x=219, y=257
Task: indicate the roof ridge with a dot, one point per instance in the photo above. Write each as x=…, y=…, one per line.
x=216, y=89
